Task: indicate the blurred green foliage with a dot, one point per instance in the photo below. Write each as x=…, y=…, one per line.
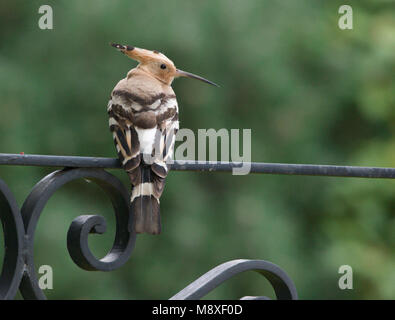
x=310, y=92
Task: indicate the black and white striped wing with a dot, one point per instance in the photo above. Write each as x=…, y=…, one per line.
x=143, y=127
x=125, y=135
x=167, y=128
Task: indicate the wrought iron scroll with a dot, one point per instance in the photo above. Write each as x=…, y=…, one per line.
x=13, y=242
x=19, y=228
x=282, y=284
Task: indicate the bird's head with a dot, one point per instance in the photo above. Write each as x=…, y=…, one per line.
x=157, y=64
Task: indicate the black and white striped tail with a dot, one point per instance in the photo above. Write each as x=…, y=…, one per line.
x=147, y=187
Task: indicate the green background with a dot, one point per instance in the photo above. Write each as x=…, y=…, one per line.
x=310, y=93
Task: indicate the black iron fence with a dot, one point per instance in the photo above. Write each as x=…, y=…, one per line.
x=19, y=225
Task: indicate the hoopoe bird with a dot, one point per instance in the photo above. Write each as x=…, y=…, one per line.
x=143, y=118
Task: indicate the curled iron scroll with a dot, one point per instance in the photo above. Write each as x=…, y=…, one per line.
x=13, y=243
x=19, y=230
x=283, y=286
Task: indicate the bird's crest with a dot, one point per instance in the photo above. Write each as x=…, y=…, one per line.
x=157, y=64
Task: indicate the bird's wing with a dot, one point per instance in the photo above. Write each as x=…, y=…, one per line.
x=124, y=133
x=143, y=125
x=167, y=128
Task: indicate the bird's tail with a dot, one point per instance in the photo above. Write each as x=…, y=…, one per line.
x=147, y=187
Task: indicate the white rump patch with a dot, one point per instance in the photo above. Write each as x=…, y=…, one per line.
x=146, y=139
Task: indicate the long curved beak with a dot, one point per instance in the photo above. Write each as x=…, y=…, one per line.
x=181, y=73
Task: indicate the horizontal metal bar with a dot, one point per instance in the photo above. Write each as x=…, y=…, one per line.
x=58, y=161
x=256, y=167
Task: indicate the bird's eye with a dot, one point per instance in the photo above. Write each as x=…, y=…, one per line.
x=163, y=66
